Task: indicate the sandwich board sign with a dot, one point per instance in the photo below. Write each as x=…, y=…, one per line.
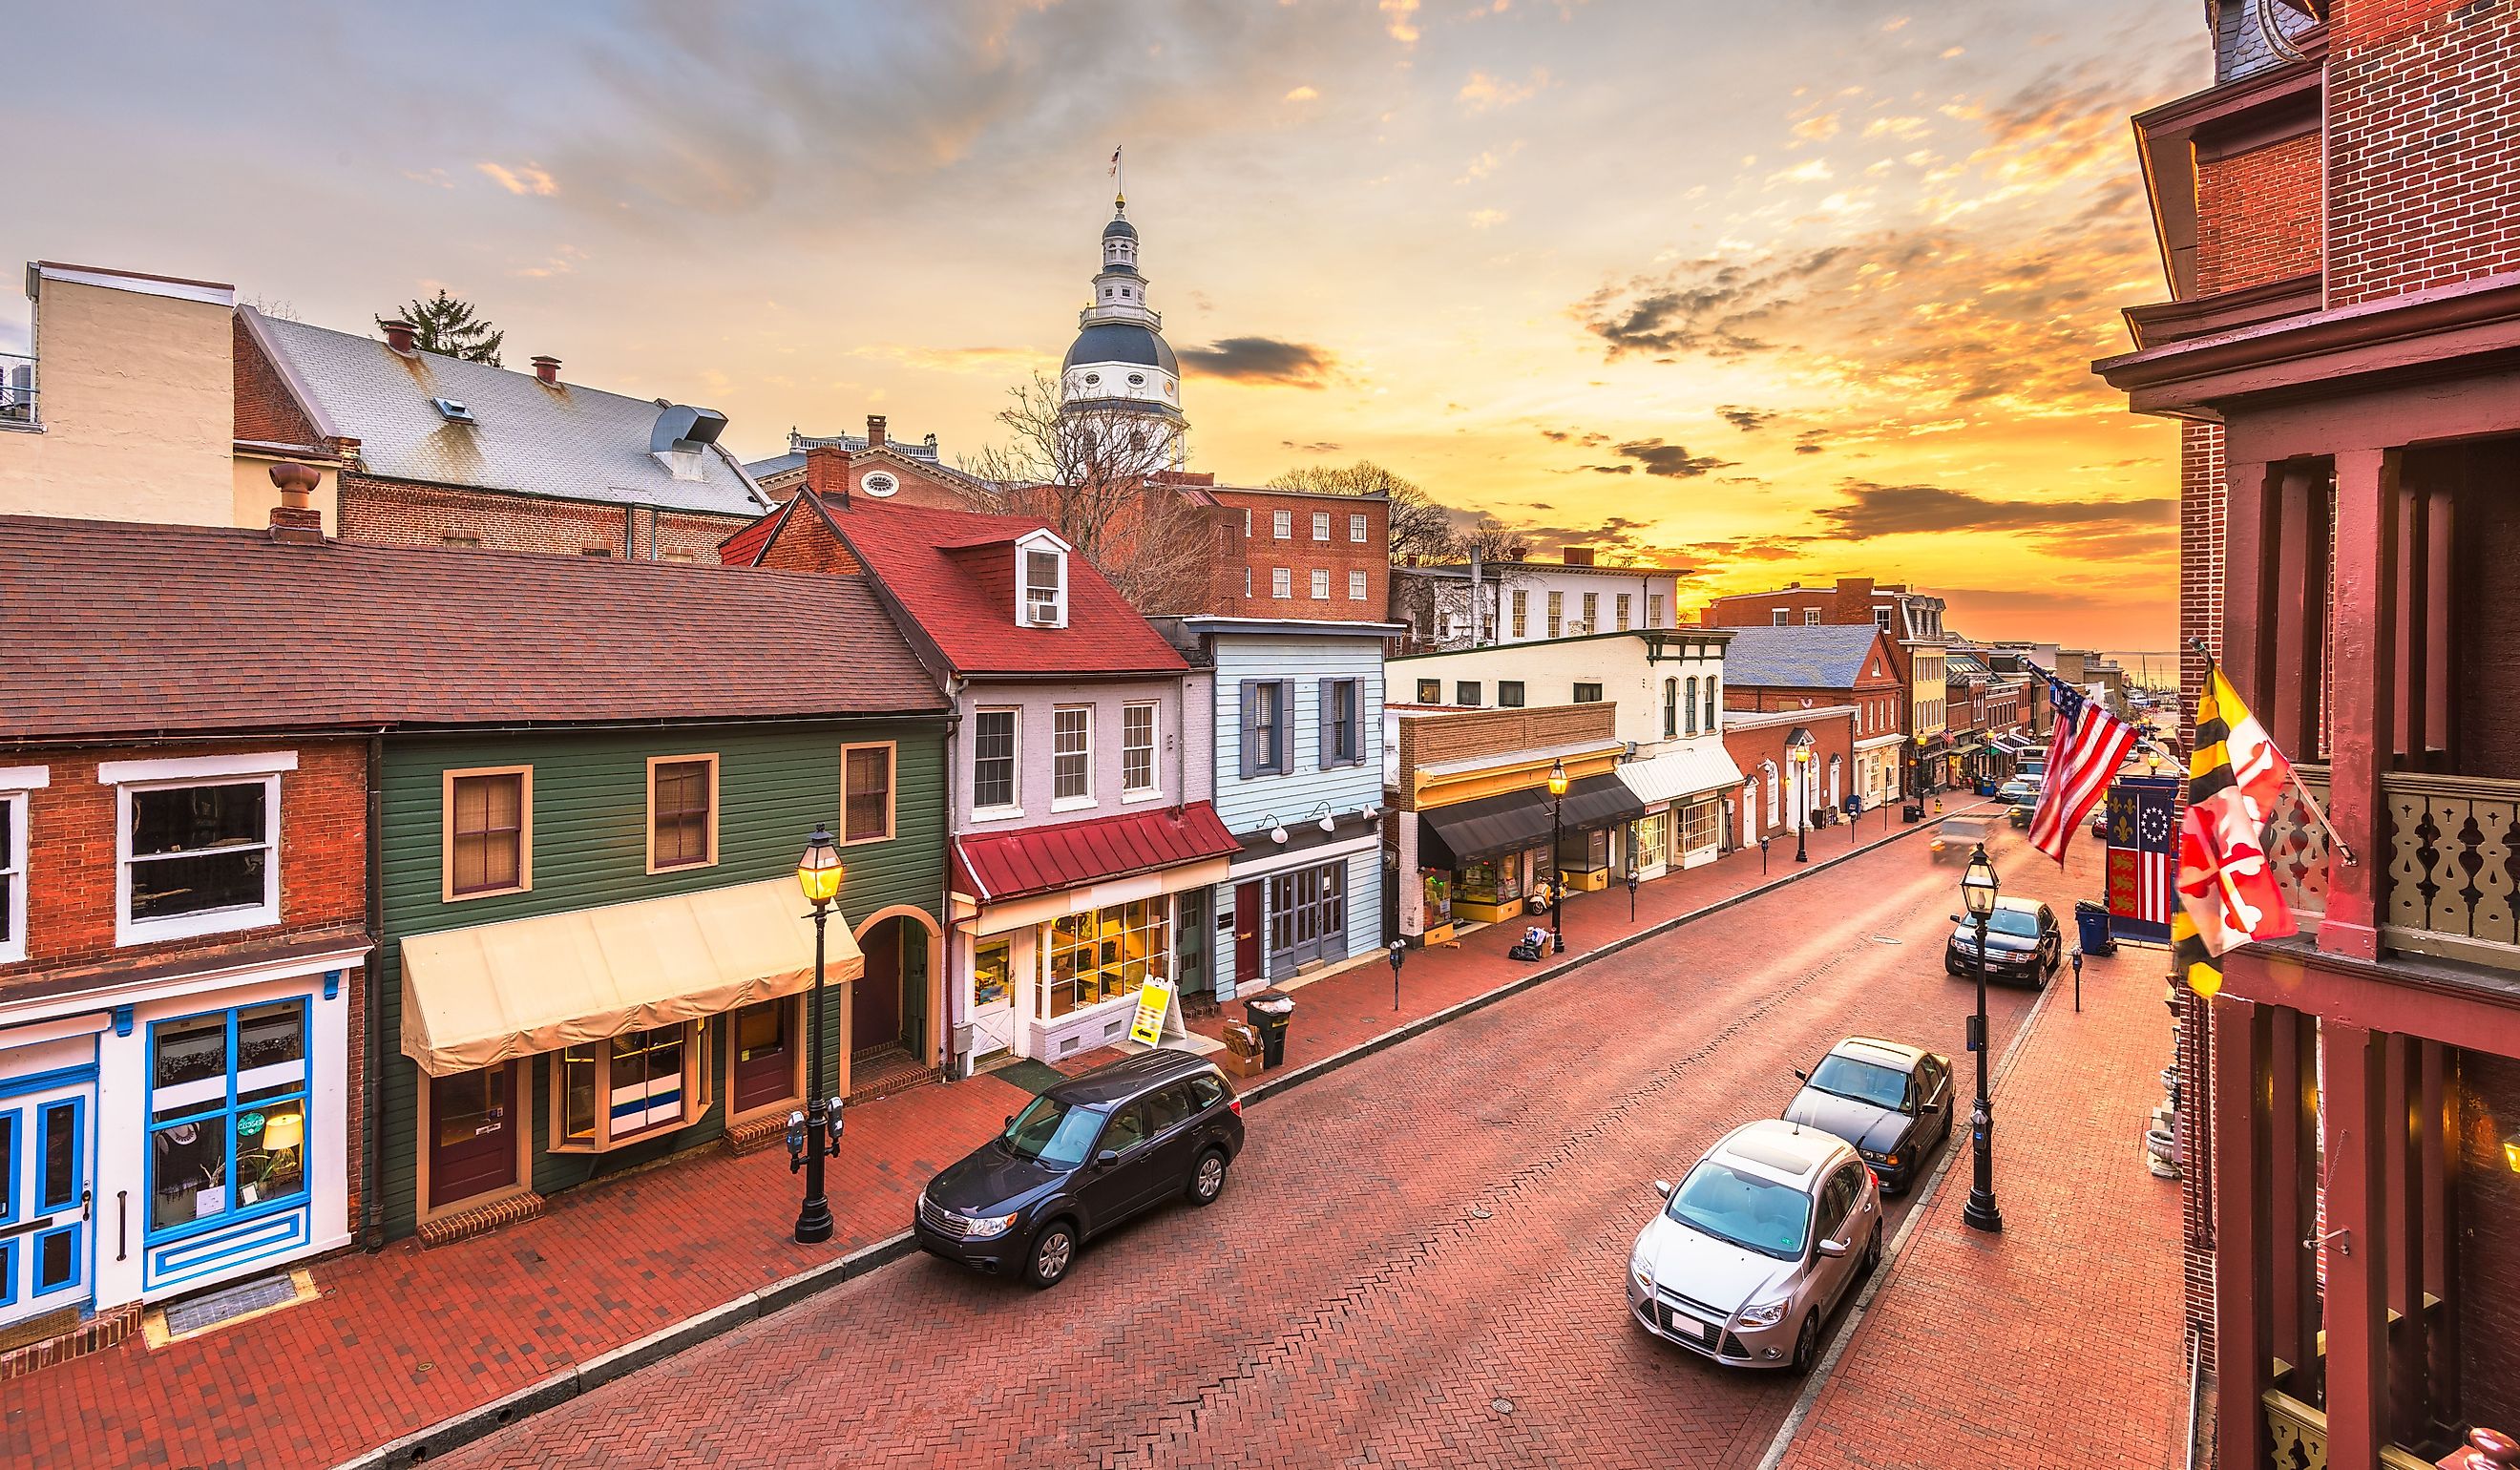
x=1158, y=1013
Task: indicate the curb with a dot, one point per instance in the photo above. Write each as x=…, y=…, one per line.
x=564, y=1384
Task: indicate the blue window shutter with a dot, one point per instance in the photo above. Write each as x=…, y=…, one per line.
x=1250, y=704
x=1286, y=726
x=1327, y=692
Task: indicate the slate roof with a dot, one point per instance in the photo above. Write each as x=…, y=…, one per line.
x=564, y=440
x=1828, y=656
x=118, y=629
x=996, y=866
x=906, y=548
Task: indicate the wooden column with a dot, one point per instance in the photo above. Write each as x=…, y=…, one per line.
x=2293, y=1193
x=2358, y=1250
x=2440, y=527
x=2437, y=1124
x=2403, y=1223
x=2365, y=688
x=2248, y=571
x=2242, y=1356
x=2297, y=609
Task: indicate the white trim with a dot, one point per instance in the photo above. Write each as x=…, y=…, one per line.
x=188, y=768
x=1015, y=759
x=25, y=777
x=208, y=292
x=1058, y=803
x=37, y=1033
x=132, y=992
x=130, y=932
x=1154, y=787
x=13, y=907
x=1262, y=867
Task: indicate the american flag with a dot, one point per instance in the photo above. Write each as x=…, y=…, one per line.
x=2155, y=888
x=2082, y=755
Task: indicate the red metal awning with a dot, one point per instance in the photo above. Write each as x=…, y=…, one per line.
x=1000, y=866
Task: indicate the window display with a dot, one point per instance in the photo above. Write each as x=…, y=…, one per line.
x=1104, y=956
x=227, y=1114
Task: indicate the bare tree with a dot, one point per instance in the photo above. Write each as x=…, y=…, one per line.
x=1495, y=542
x=1420, y=530
x=1092, y=475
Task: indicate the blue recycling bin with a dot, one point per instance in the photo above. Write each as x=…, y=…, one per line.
x=2092, y=927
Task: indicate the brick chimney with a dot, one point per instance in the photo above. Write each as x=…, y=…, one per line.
x=547, y=372
x=400, y=336
x=827, y=471
x=875, y=431
x=1577, y=556
x=296, y=521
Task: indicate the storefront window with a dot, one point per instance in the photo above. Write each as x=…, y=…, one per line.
x=1491, y=880
x=1701, y=826
x=991, y=964
x=1436, y=887
x=227, y=1114
x=614, y=1089
x=1654, y=838
x=1104, y=956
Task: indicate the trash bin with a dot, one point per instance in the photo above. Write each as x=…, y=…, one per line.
x=1270, y=1012
x=1912, y=812
x=2092, y=925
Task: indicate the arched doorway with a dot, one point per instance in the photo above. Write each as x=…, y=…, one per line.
x=893, y=1004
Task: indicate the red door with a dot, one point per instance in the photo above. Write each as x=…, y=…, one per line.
x=874, y=1014
x=1246, y=935
x=765, y=1053
x=472, y=1119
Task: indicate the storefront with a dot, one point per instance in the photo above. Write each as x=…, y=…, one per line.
x=1877, y=767
x=1300, y=905
x=1683, y=792
x=1480, y=860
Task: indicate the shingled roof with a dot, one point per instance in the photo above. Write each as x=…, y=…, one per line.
x=121, y=628
x=1822, y=656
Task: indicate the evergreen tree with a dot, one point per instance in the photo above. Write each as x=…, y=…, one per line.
x=452, y=327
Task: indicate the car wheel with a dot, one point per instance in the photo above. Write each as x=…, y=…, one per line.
x=1054, y=1251
x=1872, y=1252
x=1207, y=1180
x=1806, y=1343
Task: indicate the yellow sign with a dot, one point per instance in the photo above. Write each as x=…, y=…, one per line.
x=1154, y=1005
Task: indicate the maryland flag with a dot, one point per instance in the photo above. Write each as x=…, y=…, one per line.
x=2228, y=894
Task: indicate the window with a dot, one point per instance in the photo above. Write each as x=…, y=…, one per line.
x=1779, y=616
x=227, y=1116
x=639, y=1082
x=1711, y=705
x=1557, y=613
x=1653, y=609
x=1587, y=693
x=197, y=859
x=1356, y=585
x=993, y=762
x=1671, y=709
x=1281, y=524
x=1281, y=581
x=1693, y=706
x=1342, y=743
x=1509, y=694
x=1430, y=691
x=1104, y=956
x=489, y=831
x=682, y=812
x=1045, y=587
x=866, y=793
x=13, y=877
x=1267, y=723
x=1592, y=612
x=1881, y=619
x=1321, y=585
x=1466, y=692
x=1247, y=522
x=1521, y=616
x=1811, y=617
x=1625, y=605
x=1307, y=918
x=1071, y=755
x=879, y=485
x=1320, y=525
x=1137, y=749
x=1356, y=528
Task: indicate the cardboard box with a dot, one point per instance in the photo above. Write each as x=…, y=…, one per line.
x=1239, y=1065
x=1242, y=1039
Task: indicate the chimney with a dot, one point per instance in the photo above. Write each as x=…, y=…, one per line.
x=296, y=521
x=827, y=471
x=399, y=335
x=547, y=372
x=875, y=431
x=1577, y=556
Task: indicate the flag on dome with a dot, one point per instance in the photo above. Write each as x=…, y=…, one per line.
x=2084, y=750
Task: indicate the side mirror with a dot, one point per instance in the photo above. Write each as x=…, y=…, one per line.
x=1663, y=1187
x=1833, y=1248
x=1011, y=1120
x=1801, y=1076
x=1956, y=918
x=1107, y=1157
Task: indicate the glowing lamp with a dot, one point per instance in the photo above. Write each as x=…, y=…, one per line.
x=2511, y=1154
x=283, y=1131
x=1556, y=777
x=819, y=871
x=1978, y=886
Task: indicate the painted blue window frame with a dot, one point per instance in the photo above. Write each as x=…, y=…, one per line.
x=45, y=1204
x=226, y=1112
x=12, y=1206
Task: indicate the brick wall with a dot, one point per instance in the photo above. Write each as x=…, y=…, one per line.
x=1476, y=734
x=1260, y=552
x=2423, y=145
x=2202, y=494
x=2487, y=1243
x=264, y=409
x=2257, y=214
x=394, y=513
x=1754, y=746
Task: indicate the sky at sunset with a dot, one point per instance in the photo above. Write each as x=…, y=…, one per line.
x=1766, y=291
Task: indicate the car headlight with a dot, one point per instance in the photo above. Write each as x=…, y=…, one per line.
x=1765, y=1315
x=1642, y=1272
x=986, y=1227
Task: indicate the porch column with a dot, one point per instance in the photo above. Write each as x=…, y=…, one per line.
x=2248, y=554
x=2293, y=1193
x=2298, y=609
x=2243, y=1079
x=2363, y=726
x=2436, y=1124
x=2358, y=1250
x=2404, y=1218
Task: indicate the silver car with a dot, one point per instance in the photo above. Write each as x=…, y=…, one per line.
x=1756, y=1245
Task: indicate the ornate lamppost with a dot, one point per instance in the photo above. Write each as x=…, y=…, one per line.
x=1802, y=755
x=814, y=1135
x=1557, y=873
x=1978, y=890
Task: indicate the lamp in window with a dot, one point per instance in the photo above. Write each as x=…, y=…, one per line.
x=2511, y=1154
x=282, y=1132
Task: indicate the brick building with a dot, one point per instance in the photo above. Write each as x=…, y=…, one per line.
x=1787, y=757
x=2335, y=215
x=1771, y=667
x=1292, y=554
x=873, y=465
x=1911, y=618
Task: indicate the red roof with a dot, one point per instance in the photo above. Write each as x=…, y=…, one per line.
x=744, y=547
x=996, y=866
x=938, y=566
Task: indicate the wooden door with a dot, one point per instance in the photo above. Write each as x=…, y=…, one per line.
x=472, y=1119
x=874, y=1010
x=1246, y=934
x=765, y=1053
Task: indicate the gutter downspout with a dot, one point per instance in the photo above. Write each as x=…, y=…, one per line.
x=949, y=986
x=371, y=1235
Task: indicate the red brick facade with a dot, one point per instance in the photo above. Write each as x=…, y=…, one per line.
x=266, y=412
x=1762, y=748
x=2257, y=214
x=837, y=475
x=1252, y=553
x=395, y=512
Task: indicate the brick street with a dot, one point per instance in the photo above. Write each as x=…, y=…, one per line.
x=1417, y=1260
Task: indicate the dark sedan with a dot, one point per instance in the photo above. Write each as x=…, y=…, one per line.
x=2022, y=943
x=1085, y=1156
x=1890, y=1101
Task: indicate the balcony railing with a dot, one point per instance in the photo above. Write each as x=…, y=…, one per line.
x=2297, y=1432
x=2297, y=848
x=17, y=389
x=2448, y=887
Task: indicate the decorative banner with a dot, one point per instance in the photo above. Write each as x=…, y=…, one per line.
x=1155, y=1006
x=2142, y=862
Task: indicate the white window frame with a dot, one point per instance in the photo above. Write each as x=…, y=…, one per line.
x=1359, y=527
x=1653, y=609
x=16, y=782
x=1355, y=585
x=1281, y=581
x=1811, y=617
x=1780, y=617
x=1626, y=605
x=1321, y=584
x=1320, y=525
x=1015, y=754
x=1154, y=787
x=130, y=932
x=1040, y=543
x=1058, y=803
x=1556, y=623
x=1282, y=525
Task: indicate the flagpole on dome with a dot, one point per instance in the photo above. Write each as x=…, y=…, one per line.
x=2335, y=841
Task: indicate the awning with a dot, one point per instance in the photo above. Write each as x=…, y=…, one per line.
x=1454, y=835
x=1599, y=801
x=1692, y=771
x=474, y=997
x=1002, y=865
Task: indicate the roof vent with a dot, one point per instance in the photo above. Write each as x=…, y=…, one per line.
x=682, y=429
x=453, y=412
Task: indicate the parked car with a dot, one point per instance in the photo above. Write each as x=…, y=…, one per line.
x=1756, y=1244
x=2022, y=943
x=2100, y=819
x=1083, y=1157
x=1892, y=1102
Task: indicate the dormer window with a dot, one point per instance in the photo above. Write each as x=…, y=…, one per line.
x=1041, y=583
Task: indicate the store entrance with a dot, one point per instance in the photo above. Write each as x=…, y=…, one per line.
x=45, y=1165
x=473, y=1120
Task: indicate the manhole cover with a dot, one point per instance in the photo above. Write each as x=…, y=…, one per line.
x=1480, y=1212
x=232, y=1303
x=1502, y=1406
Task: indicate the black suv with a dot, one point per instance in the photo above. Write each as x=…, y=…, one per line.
x=1087, y=1154
x=2022, y=943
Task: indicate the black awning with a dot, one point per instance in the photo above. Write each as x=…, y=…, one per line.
x=1599, y=801
x=1451, y=836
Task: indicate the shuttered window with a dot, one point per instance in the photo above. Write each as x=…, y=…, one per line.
x=486, y=832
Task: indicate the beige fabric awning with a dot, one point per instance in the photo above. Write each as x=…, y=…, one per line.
x=474, y=997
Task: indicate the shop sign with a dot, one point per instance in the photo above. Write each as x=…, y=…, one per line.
x=1154, y=1006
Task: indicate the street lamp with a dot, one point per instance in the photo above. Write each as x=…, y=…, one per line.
x=1802, y=802
x=819, y=873
x=1978, y=890
x=1557, y=873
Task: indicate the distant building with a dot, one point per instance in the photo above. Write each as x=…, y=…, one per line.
x=1120, y=364
x=1774, y=667
x=1447, y=606
x=1913, y=621
x=873, y=465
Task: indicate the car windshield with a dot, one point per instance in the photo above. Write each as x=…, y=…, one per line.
x=1861, y=1080
x=1053, y=1132
x=2016, y=922
x=1750, y=1212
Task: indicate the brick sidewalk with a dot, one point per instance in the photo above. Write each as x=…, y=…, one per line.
x=407, y=1338
x=2058, y=1342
